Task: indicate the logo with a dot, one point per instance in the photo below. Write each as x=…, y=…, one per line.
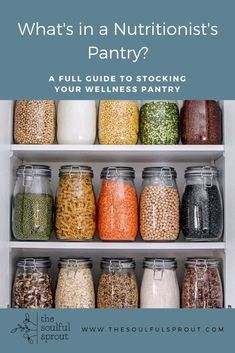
x=28, y=329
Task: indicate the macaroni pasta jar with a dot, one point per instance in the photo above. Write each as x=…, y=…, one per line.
x=118, y=205
x=118, y=122
x=75, y=204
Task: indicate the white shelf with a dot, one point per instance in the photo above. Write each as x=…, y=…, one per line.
x=118, y=153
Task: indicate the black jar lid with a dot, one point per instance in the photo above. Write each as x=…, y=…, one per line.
x=75, y=169
x=160, y=263
x=201, y=171
x=75, y=262
x=33, y=170
x=114, y=172
x=33, y=262
x=149, y=172
x=201, y=262
x=117, y=263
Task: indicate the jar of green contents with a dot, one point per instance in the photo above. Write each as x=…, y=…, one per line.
x=32, y=205
x=159, y=123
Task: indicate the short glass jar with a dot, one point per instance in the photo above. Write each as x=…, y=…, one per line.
x=202, y=205
x=32, y=286
x=32, y=204
x=75, y=204
x=159, y=205
x=202, y=286
x=76, y=122
x=118, y=205
x=75, y=288
x=201, y=122
x=118, y=122
x=117, y=286
x=159, y=123
x=35, y=122
x=159, y=287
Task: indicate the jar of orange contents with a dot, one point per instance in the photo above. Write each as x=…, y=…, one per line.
x=118, y=205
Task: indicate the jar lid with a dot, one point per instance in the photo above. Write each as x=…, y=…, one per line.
x=75, y=169
x=75, y=262
x=201, y=262
x=33, y=169
x=202, y=171
x=160, y=263
x=117, y=263
x=33, y=262
x=159, y=171
x=116, y=172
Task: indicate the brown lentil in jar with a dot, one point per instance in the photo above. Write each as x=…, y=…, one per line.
x=35, y=122
x=201, y=122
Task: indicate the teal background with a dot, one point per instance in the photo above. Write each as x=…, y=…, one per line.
x=26, y=63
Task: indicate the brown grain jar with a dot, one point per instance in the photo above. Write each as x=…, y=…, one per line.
x=201, y=122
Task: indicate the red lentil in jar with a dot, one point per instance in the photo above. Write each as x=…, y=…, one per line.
x=118, y=205
x=201, y=122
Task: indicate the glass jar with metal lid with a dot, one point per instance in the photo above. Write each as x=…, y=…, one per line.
x=118, y=204
x=117, y=286
x=202, y=286
x=159, y=122
x=75, y=288
x=32, y=286
x=159, y=287
x=202, y=206
x=32, y=204
x=159, y=204
x=75, y=204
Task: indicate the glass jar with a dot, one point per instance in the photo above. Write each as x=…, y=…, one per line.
x=75, y=204
x=35, y=122
x=159, y=204
x=202, y=206
x=159, y=287
x=118, y=122
x=32, y=286
x=32, y=205
x=118, y=205
x=159, y=123
x=202, y=286
x=75, y=288
x=201, y=122
x=117, y=286
x=76, y=122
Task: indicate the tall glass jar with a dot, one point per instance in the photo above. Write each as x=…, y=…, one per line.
x=201, y=122
x=32, y=286
x=75, y=204
x=159, y=204
x=159, y=287
x=76, y=122
x=117, y=286
x=35, y=122
x=32, y=205
x=118, y=122
x=159, y=123
x=202, y=206
x=118, y=204
x=202, y=286
x=75, y=288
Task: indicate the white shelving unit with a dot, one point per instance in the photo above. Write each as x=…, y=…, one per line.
x=139, y=156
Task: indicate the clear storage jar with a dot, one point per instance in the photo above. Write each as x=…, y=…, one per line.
x=75, y=204
x=117, y=286
x=32, y=286
x=76, y=122
x=202, y=206
x=32, y=203
x=159, y=287
x=118, y=122
x=201, y=122
x=35, y=122
x=159, y=123
x=118, y=205
x=202, y=286
x=75, y=288
x=159, y=205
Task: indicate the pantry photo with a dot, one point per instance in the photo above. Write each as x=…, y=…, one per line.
x=117, y=204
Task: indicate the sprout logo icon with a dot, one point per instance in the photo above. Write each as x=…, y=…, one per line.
x=28, y=329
